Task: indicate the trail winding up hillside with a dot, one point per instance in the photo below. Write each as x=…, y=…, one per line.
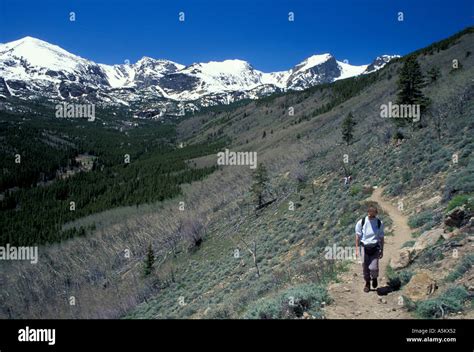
x=349, y=300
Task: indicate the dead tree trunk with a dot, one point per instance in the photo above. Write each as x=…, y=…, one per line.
x=253, y=250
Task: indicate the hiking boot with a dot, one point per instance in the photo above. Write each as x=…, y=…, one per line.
x=374, y=283
x=367, y=286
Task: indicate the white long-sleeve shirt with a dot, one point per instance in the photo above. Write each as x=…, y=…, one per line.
x=370, y=234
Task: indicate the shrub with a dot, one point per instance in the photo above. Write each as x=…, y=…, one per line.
x=264, y=309
x=460, y=182
x=463, y=267
x=436, y=219
x=406, y=176
x=291, y=303
x=398, y=278
x=420, y=219
x=408, y=244
x=450, y=301
x=355, y=190
x=347, y=219
x=221, y=312
x=437, y=166
x=405, y=276
x=430, y=255
x=398, y=135
x=395, y=190
x=459, y=200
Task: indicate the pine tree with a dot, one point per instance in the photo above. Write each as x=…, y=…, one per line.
x=410, y=85
x=348, y=128
x=434, y=73
x=149, y=261
x=260, y=184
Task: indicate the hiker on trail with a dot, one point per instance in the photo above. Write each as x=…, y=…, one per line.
x=347, y=180
x=370, y=236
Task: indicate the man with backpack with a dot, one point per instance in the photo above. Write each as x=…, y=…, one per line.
x=370, y=236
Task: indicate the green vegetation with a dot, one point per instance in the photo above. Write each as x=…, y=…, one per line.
x=355, y=190
x=139, y=167
x=463, y=267
x=260, y=185
x=450, y=301
x=149, y=261
x=291, y=303
x=213, y=274
x=444, y=44
x=420, y=219
x=399, y=278
x=460, y=200
x=430, y=255
x=433, y=74
x=408, y=244
x=410, y=85
x=348, y=129
x=462, y=181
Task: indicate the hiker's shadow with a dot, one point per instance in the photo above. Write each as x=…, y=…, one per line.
x=384, y=290
x=392, y=286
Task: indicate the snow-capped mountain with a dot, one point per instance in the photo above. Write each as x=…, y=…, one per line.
x=380, y=62
x=31, y=68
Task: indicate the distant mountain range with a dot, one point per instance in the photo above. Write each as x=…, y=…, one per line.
x=33, y=69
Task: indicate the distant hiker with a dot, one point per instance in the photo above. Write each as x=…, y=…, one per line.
x=370, y=235
x=347, y=180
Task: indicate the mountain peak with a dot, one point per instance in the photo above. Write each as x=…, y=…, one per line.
x=30, y=42
x=149, y=61
x=28, y=39
x=40, y=53
x=380, y=61
x=232, y=66
x=47, y=67
x=312, y=61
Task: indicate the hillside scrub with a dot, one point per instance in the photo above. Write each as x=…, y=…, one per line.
x=312, y=210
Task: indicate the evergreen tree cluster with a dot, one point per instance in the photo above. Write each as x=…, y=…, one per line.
x=33, y=213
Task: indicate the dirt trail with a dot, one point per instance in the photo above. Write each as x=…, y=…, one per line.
x=349, y=300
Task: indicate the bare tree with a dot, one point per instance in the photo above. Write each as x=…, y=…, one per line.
x=193, y=231
x=452, y=104
x=173, y=239
x=252, y=248
x=300, y=175
x=439, y=114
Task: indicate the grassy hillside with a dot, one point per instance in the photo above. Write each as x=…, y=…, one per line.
x=290, y=243
x=204, y=268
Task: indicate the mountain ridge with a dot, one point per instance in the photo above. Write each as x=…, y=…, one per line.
x=31, y=67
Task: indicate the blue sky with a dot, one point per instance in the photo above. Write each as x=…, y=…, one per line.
x=254, y=30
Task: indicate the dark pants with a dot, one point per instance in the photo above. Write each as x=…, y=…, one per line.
x=370, y=263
